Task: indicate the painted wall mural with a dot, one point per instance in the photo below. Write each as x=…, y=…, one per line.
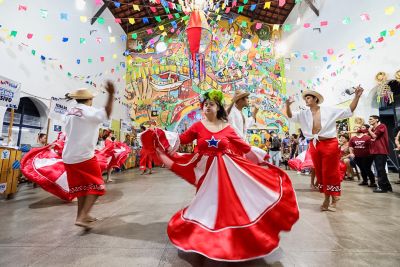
x=159, y=87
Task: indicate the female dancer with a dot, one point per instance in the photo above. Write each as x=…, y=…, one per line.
x=239, y=208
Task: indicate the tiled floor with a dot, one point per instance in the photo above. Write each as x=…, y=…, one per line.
x=36, y=229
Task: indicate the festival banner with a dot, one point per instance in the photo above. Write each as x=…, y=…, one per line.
x=10, y=92
x=58, y=108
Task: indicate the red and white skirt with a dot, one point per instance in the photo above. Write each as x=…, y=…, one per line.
x=85, y=178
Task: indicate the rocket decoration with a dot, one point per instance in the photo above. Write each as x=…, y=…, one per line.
x=199, y=37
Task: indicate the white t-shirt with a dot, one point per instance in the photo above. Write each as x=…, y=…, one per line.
x=329, y=116
x=82, y=130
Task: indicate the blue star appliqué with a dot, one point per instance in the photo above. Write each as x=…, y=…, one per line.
x=213, y=142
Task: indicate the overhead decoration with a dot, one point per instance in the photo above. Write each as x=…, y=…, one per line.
x=199, y=37
x=384, y=92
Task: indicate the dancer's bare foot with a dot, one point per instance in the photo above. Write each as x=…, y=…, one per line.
x=84, y=224
x=143, y=172
x=335, y=200
x=150, y=172
x=93, y=219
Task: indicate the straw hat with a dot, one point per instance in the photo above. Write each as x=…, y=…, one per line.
x=313, y=93
x=82, y=93
x=239, y=94
x=397, y=75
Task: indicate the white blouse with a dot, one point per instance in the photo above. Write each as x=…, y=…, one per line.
x=329, y=116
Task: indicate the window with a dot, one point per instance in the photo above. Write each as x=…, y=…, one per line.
x=26, y=125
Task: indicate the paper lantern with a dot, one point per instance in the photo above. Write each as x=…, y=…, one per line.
x=199, y=37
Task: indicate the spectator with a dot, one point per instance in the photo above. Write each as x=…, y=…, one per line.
x=380, y=151
x=345, y=156
x=285, y=150
x=359, y=146
x=294, y=146
x=303, y=144
x=42, y=140
x=397, y=142
x=275, y=149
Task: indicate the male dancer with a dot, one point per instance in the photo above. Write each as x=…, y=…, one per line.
x=83, y=171
x=319, y=124
x=237, y=120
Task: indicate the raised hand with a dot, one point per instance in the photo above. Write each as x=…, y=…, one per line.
x=289, y=101
x=358, y=91
x=110, y=87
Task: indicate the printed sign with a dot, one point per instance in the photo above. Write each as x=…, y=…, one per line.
x=57, y=128
x=3, y=188
x=107, y=124
x=126, y=126
x=9, y=93
x=58, y=108
x=5, y=154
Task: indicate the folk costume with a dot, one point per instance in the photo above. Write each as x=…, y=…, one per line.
x=324, y=146
x=239, y=208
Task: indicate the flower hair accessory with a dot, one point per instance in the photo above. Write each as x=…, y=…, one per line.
x=215, y=95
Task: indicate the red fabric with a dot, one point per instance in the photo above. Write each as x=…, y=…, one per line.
x=45, y=167
x=381, y=143
x=298, y=165
x=85, y=178
x=360, y=145
x=326, y=157
x=148, y=153
x=47, y=176
x=235, y=237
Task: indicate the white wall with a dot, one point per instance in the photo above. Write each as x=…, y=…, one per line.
x=384, y=57
x=45, y=79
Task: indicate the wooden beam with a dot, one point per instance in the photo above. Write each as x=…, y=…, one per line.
x=99, y=12
x=313, y=8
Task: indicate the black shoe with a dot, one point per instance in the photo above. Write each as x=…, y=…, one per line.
x=372, y=185
x=363, y=183
x=379, y=190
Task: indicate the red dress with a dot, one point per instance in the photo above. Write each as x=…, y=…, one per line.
x=148, y=153
x=239, y=208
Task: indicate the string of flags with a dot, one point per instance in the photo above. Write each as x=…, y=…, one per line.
x=217, y=9
x=342, y=66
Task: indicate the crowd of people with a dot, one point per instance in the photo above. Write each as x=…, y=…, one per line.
x=243, y=197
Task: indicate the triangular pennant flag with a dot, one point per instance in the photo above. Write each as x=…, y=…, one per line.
x=253, y=7
x=158, y=18
x=136, y=7
x=118, y=20
x=227, y=10
x=131, y=21
x=267, y=5
x=240, y=9
x=145, y=20
x=82, y=40
x=83, y=19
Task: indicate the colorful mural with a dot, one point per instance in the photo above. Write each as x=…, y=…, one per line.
x=159, y=87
